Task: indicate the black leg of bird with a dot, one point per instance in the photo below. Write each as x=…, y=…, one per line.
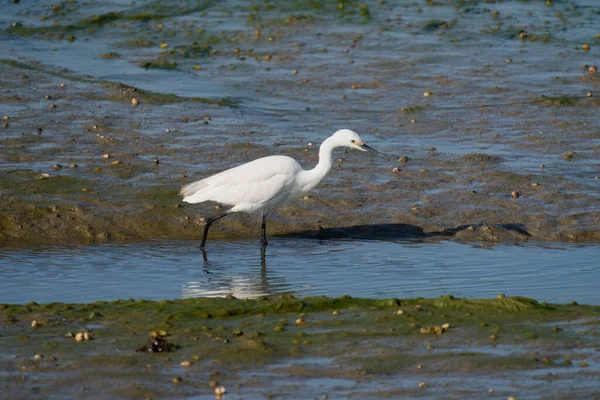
x=207, y=225
x=263, y=238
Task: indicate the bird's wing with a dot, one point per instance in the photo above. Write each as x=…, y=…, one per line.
x=253, y=183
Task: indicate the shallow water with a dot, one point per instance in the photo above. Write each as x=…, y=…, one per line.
x=170, y=270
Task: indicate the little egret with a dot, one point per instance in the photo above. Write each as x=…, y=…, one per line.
x=265, y=183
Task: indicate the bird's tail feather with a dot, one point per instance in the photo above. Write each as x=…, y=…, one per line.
x=192, y=188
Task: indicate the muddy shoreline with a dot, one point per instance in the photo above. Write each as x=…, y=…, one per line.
x=300, y=348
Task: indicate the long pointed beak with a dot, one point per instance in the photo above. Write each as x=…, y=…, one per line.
x=372, y=150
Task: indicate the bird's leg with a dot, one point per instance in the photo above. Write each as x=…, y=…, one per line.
x=207, y=226
x=263, y=237
x=263, y=258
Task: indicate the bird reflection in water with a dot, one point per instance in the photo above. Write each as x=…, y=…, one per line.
x=218, y=283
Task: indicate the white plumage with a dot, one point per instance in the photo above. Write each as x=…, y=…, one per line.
x=263, y=184
x=260, y=184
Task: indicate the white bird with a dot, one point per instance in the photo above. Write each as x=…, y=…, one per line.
x=265, y=183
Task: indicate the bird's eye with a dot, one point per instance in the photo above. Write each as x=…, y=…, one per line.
x=353, y=141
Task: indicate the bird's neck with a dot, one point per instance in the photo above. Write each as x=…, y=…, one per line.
x=312, y=177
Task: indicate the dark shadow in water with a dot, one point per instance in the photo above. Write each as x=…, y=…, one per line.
x=369, y=232
x=393, y=232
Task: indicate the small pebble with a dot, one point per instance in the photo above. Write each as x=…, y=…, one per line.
x=417, y=308
x=294, y=72
x=116, y=162
x=62, y=85
x=156, y=161
x=336, y=313
x=421, y=385
x=79, y=337
x=585, y=47
x=106, y=155
x=501, y=296
x=220, y=391
x=593, y=69
x=427, y=94
x=39, y=131
x=87, y=336
x=135, y=102
x=396, y=170
x=38, y=357
x=57, y=166
x=515, y=194
x=490, y=390
x=400, y=312
x=177, y=379
x=35, y=324
x=185, y=363
x=512, y=398
x=300, y=321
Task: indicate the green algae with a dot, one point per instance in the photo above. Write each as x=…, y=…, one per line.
x=234, y=332
x=436, y=24
x=111, y=55
x=158, y=64
x=137, y=42
x=560, y=101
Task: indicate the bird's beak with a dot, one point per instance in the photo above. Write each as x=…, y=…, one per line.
x=364, y=147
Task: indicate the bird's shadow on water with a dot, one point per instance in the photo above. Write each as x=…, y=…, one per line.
x=367, y=232
x=384, y=232
x=394, y=232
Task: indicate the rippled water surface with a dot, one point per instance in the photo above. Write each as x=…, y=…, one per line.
x=170, y=270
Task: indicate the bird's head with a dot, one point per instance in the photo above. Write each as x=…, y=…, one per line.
x=349, y=138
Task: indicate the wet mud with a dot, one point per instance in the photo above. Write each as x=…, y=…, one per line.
x=147, y=97
x=315, y=347
x=85, y=170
